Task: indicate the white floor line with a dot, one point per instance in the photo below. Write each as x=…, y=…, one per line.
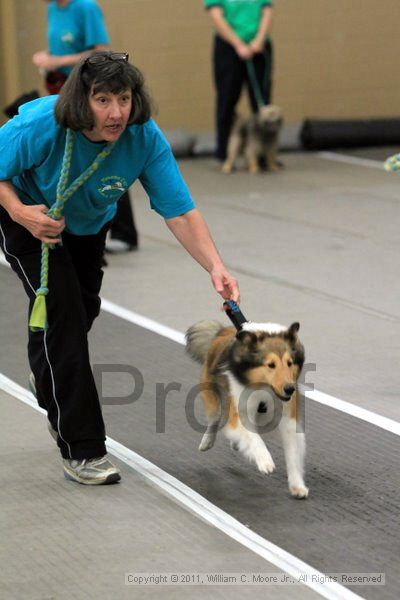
x=141, y=321
x=355, y=411
x=352, y=160
x=207, y=511
x=341, y=405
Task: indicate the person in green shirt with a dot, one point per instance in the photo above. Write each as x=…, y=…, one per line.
x=242, y=34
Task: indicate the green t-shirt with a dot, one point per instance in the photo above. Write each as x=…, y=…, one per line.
x=242, y=15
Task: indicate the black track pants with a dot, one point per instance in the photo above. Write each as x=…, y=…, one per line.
x=59, y=357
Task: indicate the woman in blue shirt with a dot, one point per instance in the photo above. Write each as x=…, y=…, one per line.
x=75, y=27
x=85, y=146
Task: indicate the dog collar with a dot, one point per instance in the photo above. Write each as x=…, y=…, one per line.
x=235, y=314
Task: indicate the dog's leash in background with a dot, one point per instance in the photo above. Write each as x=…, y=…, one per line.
x=235, y=314
x=254, y=83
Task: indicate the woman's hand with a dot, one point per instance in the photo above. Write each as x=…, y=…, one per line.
x=225, y=284
x=35, y=220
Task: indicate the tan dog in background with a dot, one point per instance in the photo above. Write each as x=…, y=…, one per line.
x=262, y=357
x=257, y=138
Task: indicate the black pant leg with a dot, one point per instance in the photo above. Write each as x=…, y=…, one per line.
x=86, y=253
x=229, y=75
x=123, y=226
x=59, y=357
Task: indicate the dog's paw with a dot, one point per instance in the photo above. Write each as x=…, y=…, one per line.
x=275, y=165
x=207, y=442
x=226, y=168
x=264, y=462
x=254, y=170
x=298, y=491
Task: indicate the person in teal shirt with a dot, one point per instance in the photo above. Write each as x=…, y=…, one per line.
x=242, y=34
x=75, y=27
x=85, y=146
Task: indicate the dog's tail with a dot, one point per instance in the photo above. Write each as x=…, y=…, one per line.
x=199, y=338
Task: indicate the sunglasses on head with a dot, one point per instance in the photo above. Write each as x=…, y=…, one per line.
x=97, y=59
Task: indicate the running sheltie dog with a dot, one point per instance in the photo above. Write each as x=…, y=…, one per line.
x=262, y=356
x=257, y=138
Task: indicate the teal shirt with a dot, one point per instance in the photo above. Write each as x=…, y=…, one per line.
x=243, y=16
x=31, y=153
x=74, y=28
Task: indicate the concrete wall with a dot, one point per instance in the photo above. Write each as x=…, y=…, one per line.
x=333, y=59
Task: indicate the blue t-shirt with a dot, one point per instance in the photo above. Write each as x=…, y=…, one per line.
x=74, y=28
x=31, y=153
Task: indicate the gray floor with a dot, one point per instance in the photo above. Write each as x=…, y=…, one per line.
x=68, y=541
x=315, y=243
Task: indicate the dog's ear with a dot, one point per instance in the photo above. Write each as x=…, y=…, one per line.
x=247, y=338
x=292, y=332
x=297, y=347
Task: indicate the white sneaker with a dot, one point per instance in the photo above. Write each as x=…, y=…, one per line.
x=115, y=246
x=91, y=471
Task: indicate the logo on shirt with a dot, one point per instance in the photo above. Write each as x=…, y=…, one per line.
x=112, y=187
x=67, y=38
